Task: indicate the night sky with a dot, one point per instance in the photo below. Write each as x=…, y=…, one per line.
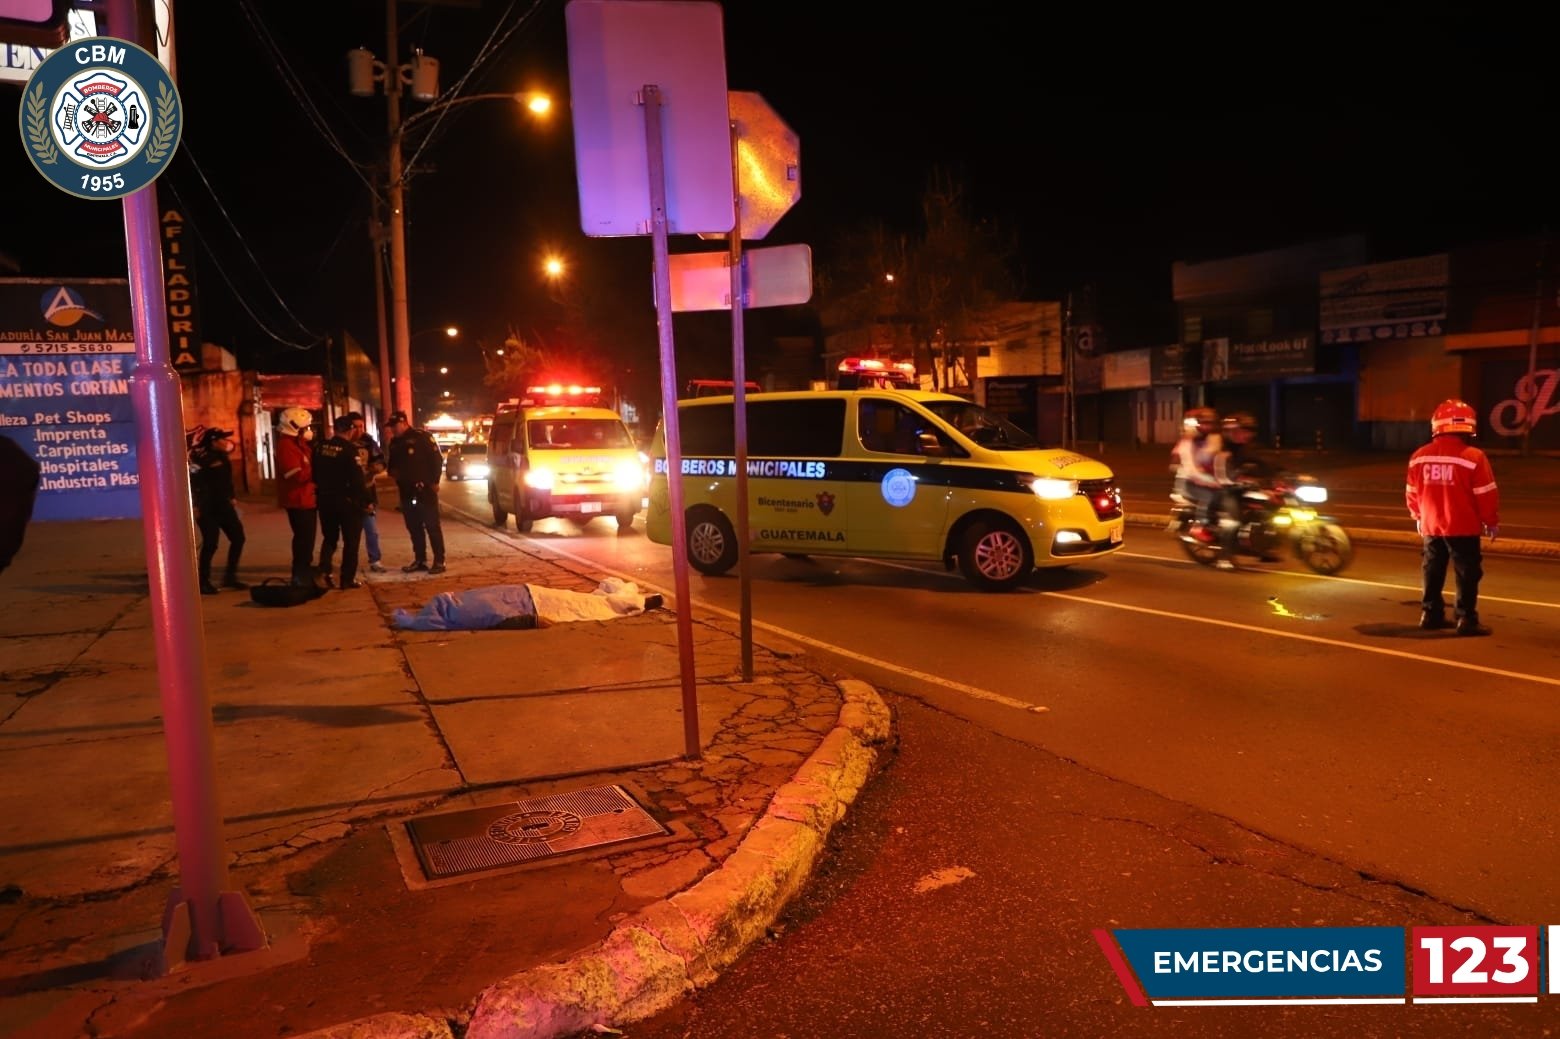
x=1109, y=140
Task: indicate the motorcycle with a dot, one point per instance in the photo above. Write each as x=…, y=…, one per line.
x=1270, y=513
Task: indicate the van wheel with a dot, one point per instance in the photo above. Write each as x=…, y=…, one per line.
x=994, y=555
x=500, y=515
x=523, y=518
x=712, y=544
x=625, y=521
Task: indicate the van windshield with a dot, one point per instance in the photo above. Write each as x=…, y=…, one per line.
x=577, y=433
x=986, y=428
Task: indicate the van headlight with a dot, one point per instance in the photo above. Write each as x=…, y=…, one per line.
x=1050, y=488
x=540, y=479
x=629, y=477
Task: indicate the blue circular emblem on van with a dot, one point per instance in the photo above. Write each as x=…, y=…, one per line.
x=898, y=487
x=101, y=118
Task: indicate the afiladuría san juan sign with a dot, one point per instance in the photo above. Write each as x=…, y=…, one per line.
x=66, y=355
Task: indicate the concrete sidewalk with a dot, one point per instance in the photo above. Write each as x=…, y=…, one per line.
x=332, y=731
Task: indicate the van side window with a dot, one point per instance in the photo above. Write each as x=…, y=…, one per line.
x=796, y=428
x=891, y=428
x=500, y=433
x=776, y=429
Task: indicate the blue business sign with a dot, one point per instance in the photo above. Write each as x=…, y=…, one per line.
x=66, y=354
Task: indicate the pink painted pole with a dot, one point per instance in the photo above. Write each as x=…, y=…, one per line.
x=202, y=917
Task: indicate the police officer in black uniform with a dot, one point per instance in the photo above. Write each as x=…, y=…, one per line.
x=340, y=488
x=216, y=508
x=415, y=464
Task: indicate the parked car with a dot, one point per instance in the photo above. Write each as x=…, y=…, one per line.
x=466, y=462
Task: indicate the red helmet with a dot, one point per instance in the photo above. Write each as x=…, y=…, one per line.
x=1453, y=416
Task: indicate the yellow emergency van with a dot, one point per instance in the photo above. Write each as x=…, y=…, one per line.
x=885, y=473
x=558, y=452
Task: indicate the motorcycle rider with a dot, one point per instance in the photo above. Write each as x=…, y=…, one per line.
x=1193, y=457
x=1452, y=497
x=1237, y=466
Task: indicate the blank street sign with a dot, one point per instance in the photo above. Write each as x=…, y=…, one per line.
x=777, y=276
x=616, y=48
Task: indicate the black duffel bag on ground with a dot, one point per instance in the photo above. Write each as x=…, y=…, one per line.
x=278, y=591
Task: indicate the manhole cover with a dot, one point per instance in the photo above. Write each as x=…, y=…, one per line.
x=472, y=839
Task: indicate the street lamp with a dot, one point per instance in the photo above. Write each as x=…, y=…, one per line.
x=421, y=74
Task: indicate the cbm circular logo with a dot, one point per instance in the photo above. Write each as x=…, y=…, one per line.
x=101, y=118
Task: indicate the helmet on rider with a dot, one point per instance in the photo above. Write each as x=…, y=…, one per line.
x=1200, y=422
x=1238, y=420
x=1454, y=416
x=294, y=421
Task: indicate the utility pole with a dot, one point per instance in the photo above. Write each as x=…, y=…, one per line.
x=399, y=319
x=376, y=233
x=1531, y=382
x=1069, y=391
x=422, y=74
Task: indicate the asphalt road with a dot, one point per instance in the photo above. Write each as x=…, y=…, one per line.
x=959, y=897
x=1309, y=709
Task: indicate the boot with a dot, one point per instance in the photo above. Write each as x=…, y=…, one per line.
x=1432, y=619
x=230, y=580
x=207, y=588
x=1468, y=624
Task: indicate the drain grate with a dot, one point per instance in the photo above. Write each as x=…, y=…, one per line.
x=472, y=839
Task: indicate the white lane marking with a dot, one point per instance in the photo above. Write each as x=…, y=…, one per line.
x=968, y=690
x=942, y=878
x=1259, y=630
x=1483, y=595
x=1007, y=701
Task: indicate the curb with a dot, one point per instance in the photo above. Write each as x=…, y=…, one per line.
x=1365, y=536
x=669, y=948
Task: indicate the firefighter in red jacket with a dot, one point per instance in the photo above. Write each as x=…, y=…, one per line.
x=1452, y=496
x=295, y=488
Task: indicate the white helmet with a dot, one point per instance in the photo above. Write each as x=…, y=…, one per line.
x=294, y=421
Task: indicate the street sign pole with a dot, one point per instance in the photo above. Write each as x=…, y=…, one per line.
x=650, y=98
x=669, y=60
x=739, y=415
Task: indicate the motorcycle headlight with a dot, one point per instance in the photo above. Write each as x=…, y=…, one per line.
x=1311, y=493
x=1049, y=488
x=540, y=479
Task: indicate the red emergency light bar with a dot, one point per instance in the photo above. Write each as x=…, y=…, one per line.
x=895, y=369
x=557, y=393
x=560, y=390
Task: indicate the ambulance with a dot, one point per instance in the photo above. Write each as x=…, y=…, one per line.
x=556, y=451
x=885, y=473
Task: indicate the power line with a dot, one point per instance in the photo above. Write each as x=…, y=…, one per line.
x=189, y=153
x=489, y=48
x=239, y=296
x=294, y=86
